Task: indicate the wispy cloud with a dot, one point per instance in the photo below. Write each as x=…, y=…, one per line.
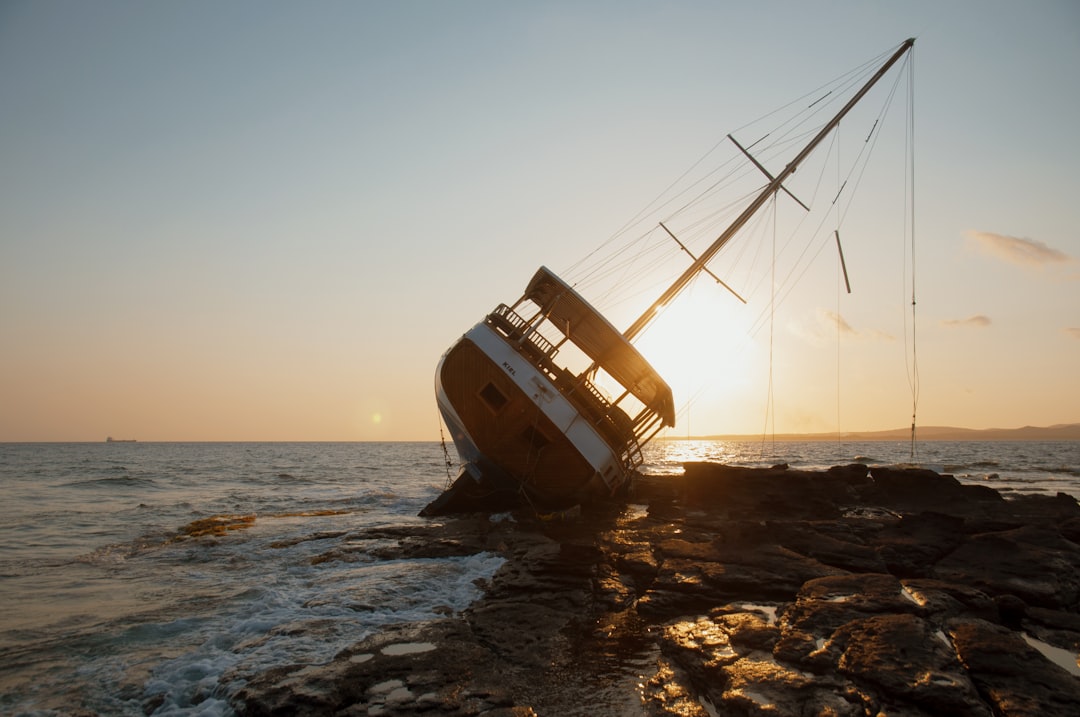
x=1073, y=332
x=1017, y=250
x=833, y=320
x=828, y=324
x=978, y=321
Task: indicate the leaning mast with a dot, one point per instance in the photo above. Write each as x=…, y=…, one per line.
x=773, y=186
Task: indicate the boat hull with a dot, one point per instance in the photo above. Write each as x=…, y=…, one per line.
x=515, y=432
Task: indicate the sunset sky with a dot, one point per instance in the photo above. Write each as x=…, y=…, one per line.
x=267, y=220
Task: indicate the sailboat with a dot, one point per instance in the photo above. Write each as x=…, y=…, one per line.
x=530, y=425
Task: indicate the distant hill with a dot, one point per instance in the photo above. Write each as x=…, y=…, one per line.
x=1060, y=432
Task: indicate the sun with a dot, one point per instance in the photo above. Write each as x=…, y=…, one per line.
x=701, y=345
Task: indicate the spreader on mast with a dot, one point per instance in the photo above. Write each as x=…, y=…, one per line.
x=771, y=188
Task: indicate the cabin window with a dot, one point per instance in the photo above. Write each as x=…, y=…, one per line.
x=535, y=438
x=493, y=397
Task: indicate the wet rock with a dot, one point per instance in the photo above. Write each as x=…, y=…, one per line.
x=1033, y=563
x=726, y=659
x=1011, y=610
x=831, y=542
x=1061, y=509
x=939, y=600
x=373, y=677
x=758, y=684
x=1069, y=527
x=853, y=594
x=751, y=627
x=698, y=576
x=732, y=591
x=825, y=605
x=1011, y=676
x=666, y=693
x=1056, y=627
x=917, y=541
x=901, y=657
x=916, y=489
x=739, y=492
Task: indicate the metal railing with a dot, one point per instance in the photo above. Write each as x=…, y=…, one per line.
x=599, y=409
x=515, y=327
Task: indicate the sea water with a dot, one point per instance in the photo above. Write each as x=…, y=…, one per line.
x=158, y=577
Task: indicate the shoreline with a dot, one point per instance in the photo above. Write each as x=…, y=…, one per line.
x=851, y=591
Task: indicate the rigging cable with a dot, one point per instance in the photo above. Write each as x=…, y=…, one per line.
x=855, y=171
x=446, y=453
x=909, y=187
x=839, y=218
x=826, y=96
x=770, y=398
x=838, y=319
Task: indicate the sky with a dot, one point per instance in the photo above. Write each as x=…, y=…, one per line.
x=234, y=221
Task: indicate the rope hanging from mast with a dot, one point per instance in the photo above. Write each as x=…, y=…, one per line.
x=913, y=369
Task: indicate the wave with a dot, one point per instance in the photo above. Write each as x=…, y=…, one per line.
x=1065, y=470
x=119, y=481
x=288, y=478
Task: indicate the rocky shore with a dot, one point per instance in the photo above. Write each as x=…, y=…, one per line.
x=731, y=591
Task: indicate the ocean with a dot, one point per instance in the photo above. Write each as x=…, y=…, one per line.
x=156, y=578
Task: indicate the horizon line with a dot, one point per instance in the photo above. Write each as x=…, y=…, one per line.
x=1071, y=431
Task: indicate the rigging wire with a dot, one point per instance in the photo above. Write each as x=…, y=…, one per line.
x=852, y=182
x=659, y=203
x=784, y=134
x=909, y=233
x=838, y=315
x=839, y=263
x=446, y=453
x=770, y=397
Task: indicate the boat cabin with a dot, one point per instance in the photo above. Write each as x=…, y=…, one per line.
x=579, y=350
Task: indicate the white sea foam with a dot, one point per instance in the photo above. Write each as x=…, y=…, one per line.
x=316, y=616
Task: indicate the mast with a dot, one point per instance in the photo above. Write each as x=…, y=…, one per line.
x=773, y=186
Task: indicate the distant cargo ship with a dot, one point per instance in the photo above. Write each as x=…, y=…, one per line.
x=110, y=439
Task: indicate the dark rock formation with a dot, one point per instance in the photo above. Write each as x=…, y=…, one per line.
x=741, y=592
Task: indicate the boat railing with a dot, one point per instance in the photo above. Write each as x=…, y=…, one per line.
x=516, y=328
x=595, y=393
x=503, y=317
x=606, y=416
x=632, y=457
x=545, y=347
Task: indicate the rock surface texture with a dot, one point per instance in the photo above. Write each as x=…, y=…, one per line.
x=733, y=591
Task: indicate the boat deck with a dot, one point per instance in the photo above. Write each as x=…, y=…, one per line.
x=612, y=422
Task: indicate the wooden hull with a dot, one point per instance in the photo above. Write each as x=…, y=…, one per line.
x=518, y=394
x=513, y=429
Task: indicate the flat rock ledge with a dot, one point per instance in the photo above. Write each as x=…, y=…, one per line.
x=734, y=591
